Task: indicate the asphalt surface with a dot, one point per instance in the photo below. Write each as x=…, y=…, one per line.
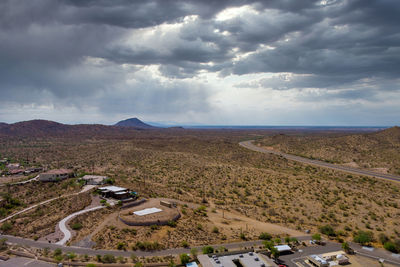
x=25, y=262
x=287, y=259
x=290, y=259
x=249, y=145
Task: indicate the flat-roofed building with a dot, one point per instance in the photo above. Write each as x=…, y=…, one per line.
x=283, y=249
x=115, y=192
x=94, y=179
x=248, y=259
x=336, y=256
x=55, y=175
x=318, y=261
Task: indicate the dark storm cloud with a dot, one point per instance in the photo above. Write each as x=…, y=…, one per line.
x=76, y=51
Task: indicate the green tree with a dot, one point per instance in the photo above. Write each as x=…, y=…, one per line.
x=316, y=237
x=268, y=244
x=390, y=246
x=345, y=246
x=184, y=258
x=194, y=252
x=327, y=230
x=208, y=249
x=274, y=252
x=364, y=237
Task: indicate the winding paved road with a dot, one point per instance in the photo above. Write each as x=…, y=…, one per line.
x=63, y=224
x=249, y=145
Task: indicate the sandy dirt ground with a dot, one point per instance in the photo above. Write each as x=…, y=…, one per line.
x=165, y=214
x=233, y=220
x=359, y=261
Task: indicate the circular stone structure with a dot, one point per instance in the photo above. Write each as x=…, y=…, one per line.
x=162, y=216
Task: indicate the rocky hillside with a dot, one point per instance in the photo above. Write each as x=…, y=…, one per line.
x=378, y=150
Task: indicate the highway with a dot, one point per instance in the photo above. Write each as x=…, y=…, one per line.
x=249, y=145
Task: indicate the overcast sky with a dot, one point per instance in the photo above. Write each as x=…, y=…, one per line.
x=272, y=62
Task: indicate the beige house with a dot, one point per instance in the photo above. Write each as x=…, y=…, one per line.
x=55, y=175
x=94, y=179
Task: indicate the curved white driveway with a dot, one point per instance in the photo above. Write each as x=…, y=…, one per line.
x=63, y=224
x=84, y=189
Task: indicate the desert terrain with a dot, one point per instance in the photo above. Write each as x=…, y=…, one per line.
x=207, y=168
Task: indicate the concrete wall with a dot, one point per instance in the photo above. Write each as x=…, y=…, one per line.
x=149, y=223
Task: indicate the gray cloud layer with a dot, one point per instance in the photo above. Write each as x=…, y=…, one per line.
x=96, y=52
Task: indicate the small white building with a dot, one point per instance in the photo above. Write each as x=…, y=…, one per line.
x=318, y=260
x=283, y=249
x=55, y=175
x=95, y=179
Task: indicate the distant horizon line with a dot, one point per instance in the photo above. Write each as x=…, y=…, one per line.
x=189, y=125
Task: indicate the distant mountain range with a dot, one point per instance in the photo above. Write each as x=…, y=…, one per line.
x=38, y=128
x=135, y=123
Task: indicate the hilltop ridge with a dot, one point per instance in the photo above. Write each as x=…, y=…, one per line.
x=135, y=123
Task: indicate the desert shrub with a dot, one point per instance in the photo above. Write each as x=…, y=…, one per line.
x=71, y=255
x=76, y=226
x=316, y=236
x=242, y=236
x=327, y=230
x=265, y=236
x=57, y=252
x=5, y=227
x=363, y=237
x=146, y=245
x=171, y=223
x=208, y=249
x=121, y=259
x=390, y=246
x=194, y=252
x=108, y=258
x=154, y=227
x=345, y=246
x=383, y=238
x=184, y=258
x=202, y=210
x=215, y=230
x=121, y=246
x=185, y=244
x=3, y=244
